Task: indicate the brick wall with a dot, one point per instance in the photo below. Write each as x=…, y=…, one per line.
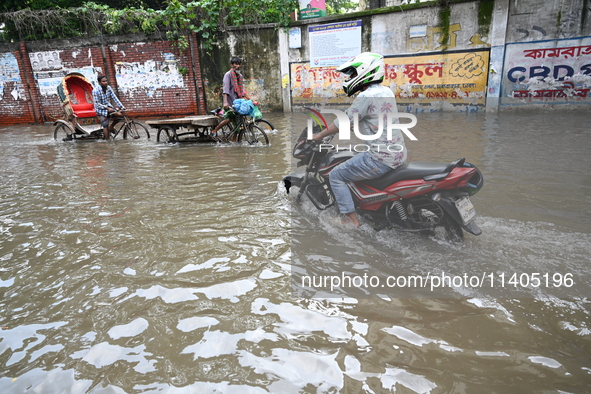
x=151, y=78
x=15, y=99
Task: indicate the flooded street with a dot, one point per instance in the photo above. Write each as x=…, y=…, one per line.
x=136, y=266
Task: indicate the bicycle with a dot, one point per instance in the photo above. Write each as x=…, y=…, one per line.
x=242, y=128
x=265, y=125
x=130, y=128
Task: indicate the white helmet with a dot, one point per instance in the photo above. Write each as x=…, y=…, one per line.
x=364, y=69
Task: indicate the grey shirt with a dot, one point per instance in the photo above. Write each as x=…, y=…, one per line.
x=229, y=87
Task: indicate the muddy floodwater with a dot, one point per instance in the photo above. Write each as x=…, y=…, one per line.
x=144, y=267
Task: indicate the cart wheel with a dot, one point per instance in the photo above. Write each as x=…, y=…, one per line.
x=166, y=134
x=135, y=130
x=62, y=133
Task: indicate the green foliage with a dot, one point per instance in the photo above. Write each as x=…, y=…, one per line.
x=207, y=18
x=15, y=5
x=340, y=6
x=485, y=11
x=444, y=15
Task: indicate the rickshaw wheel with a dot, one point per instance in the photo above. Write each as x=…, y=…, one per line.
x=62, y=133
x=166, y=134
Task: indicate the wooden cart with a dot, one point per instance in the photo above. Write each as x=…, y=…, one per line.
x=190, y=128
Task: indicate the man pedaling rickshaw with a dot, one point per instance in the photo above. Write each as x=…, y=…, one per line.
x=103, y=96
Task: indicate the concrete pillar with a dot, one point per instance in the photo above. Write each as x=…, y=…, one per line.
x=497, y=40
x=284, y=69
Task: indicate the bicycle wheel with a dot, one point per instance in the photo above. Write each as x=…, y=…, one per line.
x=62, y=133
x=264, y=125
x=253, y=135
x=118, y=128
x=135, y=130
x=224, y=134
x=166, y=134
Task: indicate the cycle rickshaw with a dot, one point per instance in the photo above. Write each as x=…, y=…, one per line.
x=81, y=122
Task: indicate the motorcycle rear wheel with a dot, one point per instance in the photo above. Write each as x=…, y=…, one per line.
x=453, y=230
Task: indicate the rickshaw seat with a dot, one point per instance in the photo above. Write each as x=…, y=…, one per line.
x=85, y=110
x=82, y=109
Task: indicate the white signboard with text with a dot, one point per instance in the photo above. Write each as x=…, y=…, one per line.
x=335, y=43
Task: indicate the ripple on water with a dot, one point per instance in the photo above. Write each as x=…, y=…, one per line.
x=141, y=267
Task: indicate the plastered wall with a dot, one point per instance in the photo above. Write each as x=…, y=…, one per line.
x=530, y=54
x=258, y=48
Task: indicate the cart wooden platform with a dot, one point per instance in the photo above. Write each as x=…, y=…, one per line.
x=188, y=129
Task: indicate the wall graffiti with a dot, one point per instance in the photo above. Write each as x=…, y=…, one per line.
x=432, y=41
x=548, y=72
x=318, y=85
x=457, y=78
x=540, y=33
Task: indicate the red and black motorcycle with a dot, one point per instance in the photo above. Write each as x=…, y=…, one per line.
x=417, y=196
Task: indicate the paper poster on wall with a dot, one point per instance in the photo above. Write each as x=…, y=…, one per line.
x=295, y=37
x=46, y=61
x=149, y=76
x=312, y=8
x=48, y=70
x=417, y=31
x=335, y=43
x=10, y=74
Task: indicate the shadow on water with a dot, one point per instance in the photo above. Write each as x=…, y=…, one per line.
x=132, y=266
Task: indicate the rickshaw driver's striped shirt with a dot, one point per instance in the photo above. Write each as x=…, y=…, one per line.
x=102, y=100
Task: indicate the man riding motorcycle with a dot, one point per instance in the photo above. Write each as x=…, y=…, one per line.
x=374, y=101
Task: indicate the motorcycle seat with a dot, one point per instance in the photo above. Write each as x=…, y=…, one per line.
x=407, y=171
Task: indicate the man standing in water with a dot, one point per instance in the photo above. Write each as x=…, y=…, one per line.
x=103, y=96
x=233, y=90
x=233, y=83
